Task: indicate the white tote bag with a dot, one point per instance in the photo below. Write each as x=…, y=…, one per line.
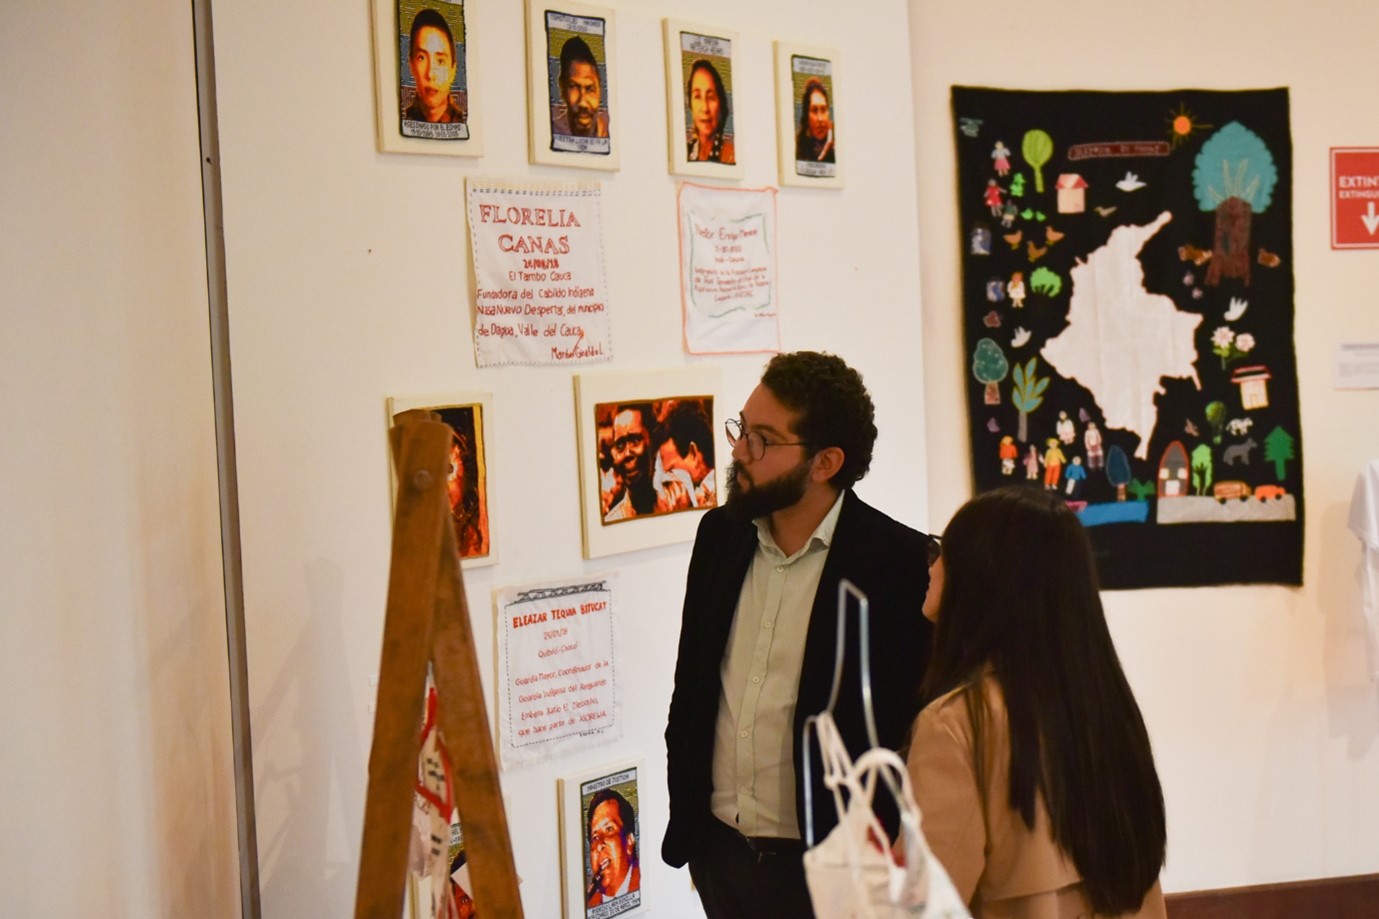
x=853, y=873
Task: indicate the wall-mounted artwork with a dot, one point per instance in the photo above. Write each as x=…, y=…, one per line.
x=647, y=454
x=728, y=290
x=807, y=107
x=469, y=484
x=558, y=669
x=1128, y=309
x=571, y=84
x=425, y=70
x=600, y=858
x=699, y=100
x=541, y=296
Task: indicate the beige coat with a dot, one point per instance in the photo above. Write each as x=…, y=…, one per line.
x=1003, y=869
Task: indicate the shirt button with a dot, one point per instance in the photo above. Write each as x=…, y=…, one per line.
x=766, y=624
x=742, y=734
x=756, y=679
x=780, y=567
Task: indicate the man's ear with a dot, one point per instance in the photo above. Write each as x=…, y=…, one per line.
x=826, y=464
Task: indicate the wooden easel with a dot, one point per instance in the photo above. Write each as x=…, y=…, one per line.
x=428, y=620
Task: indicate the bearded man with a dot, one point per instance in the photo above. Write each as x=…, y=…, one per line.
x=759, y=634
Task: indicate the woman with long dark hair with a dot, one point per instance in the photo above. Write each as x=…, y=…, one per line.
x=1031, y=763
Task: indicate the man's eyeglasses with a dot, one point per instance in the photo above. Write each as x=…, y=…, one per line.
x=933, y=549
x=756, y=443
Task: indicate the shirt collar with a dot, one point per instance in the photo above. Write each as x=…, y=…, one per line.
x=822, y=535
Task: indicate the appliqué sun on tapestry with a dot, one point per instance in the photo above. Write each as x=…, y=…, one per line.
x=1128, y=312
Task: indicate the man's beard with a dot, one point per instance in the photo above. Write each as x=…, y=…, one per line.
x=768, y=497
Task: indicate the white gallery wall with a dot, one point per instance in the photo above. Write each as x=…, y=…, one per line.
x=112, y=663
x=348, y=276
x=116, y=783
x=1265, y=726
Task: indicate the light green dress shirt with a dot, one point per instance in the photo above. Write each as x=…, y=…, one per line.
x=754, y=742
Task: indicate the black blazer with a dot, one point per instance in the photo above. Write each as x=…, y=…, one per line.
x=886, y=561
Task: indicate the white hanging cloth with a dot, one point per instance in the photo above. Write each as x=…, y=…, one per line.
x=854, y=873
x=1364, y=523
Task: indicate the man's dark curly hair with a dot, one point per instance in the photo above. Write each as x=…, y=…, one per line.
x=834, y=407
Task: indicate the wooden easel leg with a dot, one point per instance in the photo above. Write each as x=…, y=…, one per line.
x=428, y=620
x=420, y=452
x=465, y=726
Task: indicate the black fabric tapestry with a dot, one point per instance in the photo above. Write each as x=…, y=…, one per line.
x=1128, y=314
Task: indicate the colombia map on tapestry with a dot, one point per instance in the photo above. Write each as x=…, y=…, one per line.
x=1128, y=318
